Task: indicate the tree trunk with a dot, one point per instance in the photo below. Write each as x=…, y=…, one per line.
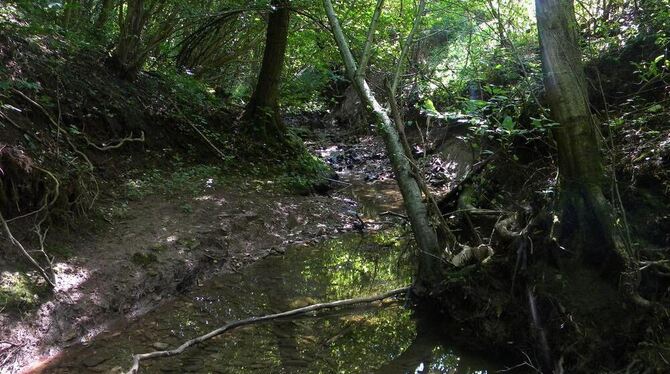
x=587, y=221
x=262, y=111
x=430, y=253
x=129, y=44
x=578, y=147
x=70, y=13
x=103, y=15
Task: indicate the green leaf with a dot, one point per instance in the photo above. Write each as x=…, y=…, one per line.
x=428, y=106
x=508, y=123
x=655, y=108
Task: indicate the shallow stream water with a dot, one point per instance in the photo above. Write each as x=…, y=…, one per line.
x=369, y=338
x=377, y=338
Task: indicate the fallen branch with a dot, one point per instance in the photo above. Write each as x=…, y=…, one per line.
x=36, y=265
x=394, y=214
x=253, y=320
x=117, y=145
x=202, y=134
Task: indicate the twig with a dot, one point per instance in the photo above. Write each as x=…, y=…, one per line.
x=647, y=264
x=253, y=320
x=117, y=145
x=394, y=214
x=336, y=181
x=202, y=134
x=25, y=253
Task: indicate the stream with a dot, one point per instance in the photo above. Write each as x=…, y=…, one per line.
x=381, y=338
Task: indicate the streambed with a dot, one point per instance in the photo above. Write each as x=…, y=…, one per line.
x=382, y=338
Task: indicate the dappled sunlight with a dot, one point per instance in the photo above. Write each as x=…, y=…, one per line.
x=170, y=166
x=342, y=341
x=70, y=277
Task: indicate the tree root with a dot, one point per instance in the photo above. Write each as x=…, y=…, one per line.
x=253, y=320
x=119, y=144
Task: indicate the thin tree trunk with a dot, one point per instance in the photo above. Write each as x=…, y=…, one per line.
x=263, y=108
x=430, y=252
x=105, y=9
x=365, y=56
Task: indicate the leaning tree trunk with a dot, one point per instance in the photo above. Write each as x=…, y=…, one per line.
x=262, y=111
x=424, y=233
x=587, y=221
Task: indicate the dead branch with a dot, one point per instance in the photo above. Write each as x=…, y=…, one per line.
x=58, y=127
x=254, y=320
x=660, y=263
x=204, y=137
x=117, y=145
x=51, y=282
x=394, y=214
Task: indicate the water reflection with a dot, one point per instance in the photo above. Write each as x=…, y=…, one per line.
x=367, y=338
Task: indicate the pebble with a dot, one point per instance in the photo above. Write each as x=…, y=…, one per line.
x=160, y=346
x=94, y=360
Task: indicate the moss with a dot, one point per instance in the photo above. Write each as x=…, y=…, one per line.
x=144, y=259
x=158, y=247
x=61, y=251
x=17, y=291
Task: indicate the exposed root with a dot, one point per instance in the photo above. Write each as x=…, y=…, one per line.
x=59, y=129
x=119, y=144
x=469, y=255
x=254, y=320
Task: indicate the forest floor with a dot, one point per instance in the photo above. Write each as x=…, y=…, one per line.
x=153, y=248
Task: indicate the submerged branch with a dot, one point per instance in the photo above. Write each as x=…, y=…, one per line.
x=253, y=320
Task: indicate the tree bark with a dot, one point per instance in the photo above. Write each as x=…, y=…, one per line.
x=103, y=15
x=262, y=111
x=430, y=253
x=140, y=32
x=587, y=219
x=580, y=161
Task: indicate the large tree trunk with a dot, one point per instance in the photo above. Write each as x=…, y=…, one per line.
x=143, y=26
x=430, y=253
x=129, y=44
x=587, y=222
x=578, y=147
x=262, y=111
